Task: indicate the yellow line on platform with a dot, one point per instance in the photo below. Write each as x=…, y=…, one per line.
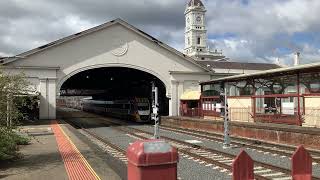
x=83, y=159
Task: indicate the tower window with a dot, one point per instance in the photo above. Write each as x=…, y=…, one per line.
x=198, y=40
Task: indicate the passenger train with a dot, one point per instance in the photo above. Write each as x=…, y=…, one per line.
x=137, y=109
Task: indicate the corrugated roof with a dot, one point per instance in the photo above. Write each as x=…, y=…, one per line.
x=275, y=72
x=238, y=65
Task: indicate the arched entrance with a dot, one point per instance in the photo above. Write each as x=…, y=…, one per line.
x=161, y=77
x=111, y=83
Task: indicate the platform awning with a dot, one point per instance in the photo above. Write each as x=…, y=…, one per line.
x=190, y=95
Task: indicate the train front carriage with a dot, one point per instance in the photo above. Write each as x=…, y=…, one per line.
x=136, y=109
x=143, y=109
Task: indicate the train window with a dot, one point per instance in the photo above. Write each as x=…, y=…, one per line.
x=143, y=108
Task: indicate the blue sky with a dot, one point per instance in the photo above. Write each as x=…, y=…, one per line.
x=246, y=30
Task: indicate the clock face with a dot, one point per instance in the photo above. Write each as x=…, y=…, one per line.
x=198, y=19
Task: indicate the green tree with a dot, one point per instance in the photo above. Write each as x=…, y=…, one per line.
x=14, y=97
x=12, y=87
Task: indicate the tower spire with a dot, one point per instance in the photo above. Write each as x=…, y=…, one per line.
x=195, y=3
x=196, y=32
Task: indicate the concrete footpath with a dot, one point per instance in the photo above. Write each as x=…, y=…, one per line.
x=47, y=157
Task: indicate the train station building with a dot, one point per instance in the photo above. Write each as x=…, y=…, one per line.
x=286, y=95
x=118, y=57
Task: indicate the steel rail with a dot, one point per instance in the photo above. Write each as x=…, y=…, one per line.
x=265, y=165
x=248, y=143
x=117, y=148
x=208, y=160
x=185, y=151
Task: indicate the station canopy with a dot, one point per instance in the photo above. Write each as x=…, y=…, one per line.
x=306, y=68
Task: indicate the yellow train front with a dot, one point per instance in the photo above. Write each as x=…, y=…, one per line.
x=136, y=109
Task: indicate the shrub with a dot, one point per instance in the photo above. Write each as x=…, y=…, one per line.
x=9, y=142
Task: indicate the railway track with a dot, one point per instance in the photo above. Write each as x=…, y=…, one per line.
x=278, y=149
x=202, y=155
x=209, y=156
x=217, y=158
x=260, y=146
x=108, y=147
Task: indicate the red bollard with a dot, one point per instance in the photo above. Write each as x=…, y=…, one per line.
x=301, y=164
x=242, y=167
x=152, y=159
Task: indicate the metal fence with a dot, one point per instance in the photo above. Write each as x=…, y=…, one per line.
x=191, y=112
x=235, y=114
x=240, y=114
x=311, y=117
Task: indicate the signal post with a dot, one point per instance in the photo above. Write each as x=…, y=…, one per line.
x=155, y=110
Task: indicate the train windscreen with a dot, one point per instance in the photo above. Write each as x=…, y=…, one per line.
x=143, y=107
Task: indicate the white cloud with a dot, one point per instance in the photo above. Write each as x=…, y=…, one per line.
x=258, y=27
x=234, y=48
x=2, y=54
x=265, y=26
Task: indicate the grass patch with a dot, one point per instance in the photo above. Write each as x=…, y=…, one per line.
x=9, y=142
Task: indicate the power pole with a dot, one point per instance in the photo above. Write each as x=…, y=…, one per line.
x=155, y=110
x=226, y=143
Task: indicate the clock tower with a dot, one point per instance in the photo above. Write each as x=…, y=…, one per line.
x=196, y=33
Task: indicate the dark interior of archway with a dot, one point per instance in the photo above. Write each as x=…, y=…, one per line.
x=113, y=83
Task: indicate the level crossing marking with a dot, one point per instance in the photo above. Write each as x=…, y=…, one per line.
x=76, y=165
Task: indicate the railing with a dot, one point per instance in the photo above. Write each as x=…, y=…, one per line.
x=235, y=114
x=198, y=112
x=213, y=113
x=191, y=112
x=310, y=116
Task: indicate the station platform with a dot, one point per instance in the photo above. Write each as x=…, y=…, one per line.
x=56, y=152
x=269, y=132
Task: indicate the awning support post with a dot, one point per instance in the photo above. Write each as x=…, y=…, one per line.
x=226, y=143
x=299, y=105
